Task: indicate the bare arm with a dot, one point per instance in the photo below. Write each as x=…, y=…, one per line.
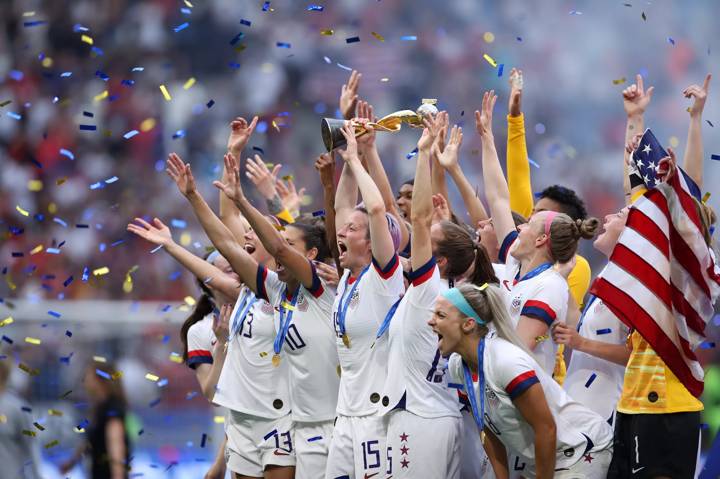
x=115, y=441
x=496, y=188
x=497, y=454
x=381, y=242
x=635, y=101
x=345, y=196
x=693, y=159
x=534, y=409
x=209, y=374
x=220, y=236
x=439, y=183
x=615, y=353
x=159, y=234
x=325, y=165
x=240, y=133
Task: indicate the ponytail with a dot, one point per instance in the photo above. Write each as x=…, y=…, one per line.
x=204, y=305
x=565, y=234
x=483, y=271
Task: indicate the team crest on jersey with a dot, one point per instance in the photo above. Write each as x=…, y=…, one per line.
x=516, y=303
x=267, y=308
x=302, y=303
x=491, y=397
x=355, y=299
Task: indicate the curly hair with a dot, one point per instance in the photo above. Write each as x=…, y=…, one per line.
x=570, y=203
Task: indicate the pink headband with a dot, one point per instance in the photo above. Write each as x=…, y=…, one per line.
x=548, y=222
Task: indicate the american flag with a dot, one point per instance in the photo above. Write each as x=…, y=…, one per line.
x=647, y=159
x=662, y=279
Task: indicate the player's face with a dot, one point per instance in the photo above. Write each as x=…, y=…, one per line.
x=404, y=199
x=486, y=233
x=222, y=264
x=255, y=247
x=353, y=241
x=446, y=322
x=294, y=238
x=529, y=234
x=546, y=204
x=612, y=227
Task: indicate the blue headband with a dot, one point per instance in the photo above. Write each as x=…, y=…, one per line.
x=458, y=300
x=213, y=256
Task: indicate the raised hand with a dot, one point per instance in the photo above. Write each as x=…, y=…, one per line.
x=431, y=131
x=349, y=95
x=449, y=157
x=233, y=188
x=483, y=118
x=364, y=115
x=263, y=179
x=181, y=174
x=439, y=144
x=699, y=94
x=635, y=98
x=327, y=273
x=325, y=165
x=351, y=149
x=240, y=132
x=221, y=323
x=157, y=233
x=667, y=166
x=290, y=197
x=516, y=88
x=633, y=143
x=441, y=210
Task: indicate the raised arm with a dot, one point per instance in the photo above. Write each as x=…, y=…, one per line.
x=220, y=236
x=635, y=101
x=273, y=241
x=349, y=95
x=449, y=161
x=693, y=159
x=518, y=164
x=208, y=375
x=158, y=233
x=381, y=241
x=240, y=133
x=422, y=202
x=325, y=165
x=496, y=188
x=439, y=182
x=346, y=198
x=266, y=183
x=368, y=150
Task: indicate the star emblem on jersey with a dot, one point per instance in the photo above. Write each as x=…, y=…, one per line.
x=404, y=437
x=405, y=463
x=404, y=450
x=588, y=458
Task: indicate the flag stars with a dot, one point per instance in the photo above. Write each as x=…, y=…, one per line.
x=404, y=450
x=405, y=463
x=404, y=437
x=647, y=149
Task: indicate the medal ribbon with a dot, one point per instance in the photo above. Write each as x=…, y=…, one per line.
x=286, y=314
x=346, y=298
x=242, y=312
x=470, y=388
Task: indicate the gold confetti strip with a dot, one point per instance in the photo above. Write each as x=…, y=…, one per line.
x=101, y=96
x=116, y=375
x=190, y=5
x=705, y=198
x=60, y=181
x=489, y=59
x=619, y=81
x=188, y=84
x=7, y=321
x=55, y=412
x=288, y=306
x=275, y=125
x=165, y=93
x=78, y=430
x=36, y=249
x=219, y=419
x=263, y=354
x=35, y=185
x=101, y=271
x=28, y=369
x=151, y=377
x=30, y=340
x=10, y=282
x=176, y=358
x=99, y=359
x=22, y=211
x=147, y=124
x=327, y=32
x=189, y=300
x=28, y=432
x=87, y=39
x=378, y=36
x=52, y=444
x=3, y=419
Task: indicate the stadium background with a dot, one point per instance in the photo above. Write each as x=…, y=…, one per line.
x=576, y=56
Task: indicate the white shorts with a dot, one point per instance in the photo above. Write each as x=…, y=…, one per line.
x=593, y=465
x=474, y=460
x=312, y=443
x=254, y=443
x=358, y=448
x=423, y=447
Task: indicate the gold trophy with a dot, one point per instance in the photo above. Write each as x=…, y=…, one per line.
x=333, y=137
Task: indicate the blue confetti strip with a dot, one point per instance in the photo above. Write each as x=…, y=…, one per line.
x=65, y=74
x=203, y=440
x=266, y=6
x=318, y=213
x=715, y=157
x=116, y=243
x=85, y=274
x=68, y=333
x=707, y=345
x=60, y=222
x=102, y=76
x=13, y=115
x=79, y=28
x=102, y=374
x=34, y=23
x=176, y=223
x=236, y=38
x=182, y=27
x=88, y=127
x=315, y=8
x=282, y=45
x=313, y=439
x=163, y=382
x=178, y=134
x=185, y=11
x=532, y=162
x=603, y=331
x=52, y=251
x=54, y=314
x=138, y=69
x=352, y=40
x=501, y=67
x=130, y=134
x=67, y=153
x=408, y=38
x=156, y=249
x=247, y=23
x=111, y=180
x=210, y=103
x=89, y=114
x=258, y=149
x=671, y=41
x=155, y=402
x=590, y=380
x=412, y=153
x=67, y=282
x=344, y=67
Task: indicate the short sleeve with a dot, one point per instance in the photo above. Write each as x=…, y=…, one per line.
x=318, y=288
x=424, y=285
x=386, y=280
x=514, y=373
x=506, y=245
x=199, y=343
x=455, y=369
x=270, y=288
x=547, y=301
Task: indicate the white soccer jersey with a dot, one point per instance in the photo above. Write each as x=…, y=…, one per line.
x=542, y=296
x=363, y=367
x=309, y=346
x=249, y=383
x=592, y=381
x=416, y=369
x=509, y=371
x=200, y=342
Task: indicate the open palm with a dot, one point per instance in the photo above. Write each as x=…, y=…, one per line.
x=449, y=156
x=240, y=132
x=181, y=174
x=157, y=233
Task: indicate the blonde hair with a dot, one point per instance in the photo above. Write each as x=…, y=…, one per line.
x=707, y=220
x=489, y=303
x=565, y=233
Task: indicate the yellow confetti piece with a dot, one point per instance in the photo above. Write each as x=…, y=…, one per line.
x=101, y=271
x=35, y=185
x=47, y=62
x=28, y=432
x=127, y=284
x=619, y=81
x=490, y=60
x=327, y=32
x=288, y=306
x=147, y=124
x=165, y=93
x=87, y=39
x=36, y=249
x=489, y=37
x=184, y=308
x=22, y=211
x=99, y=359
x=10, y=283
x=188, y=84
x=705, y=198
x=116, y=375
x=52, y=208
x=7, y=321
x=78, y=430
x=219, y=419
x=674, y=141
x=151, y=377
x=28, y=369
x=52, y=444
x=3, y=419
x=101, y=96
x=190, y=5
x=275, y=125
x=263, y=354
x=60, y=181
x=32, y=340
x=189, y=300
x=378, y=36
x=185, y=239
x=55, y=412
x=176, y=358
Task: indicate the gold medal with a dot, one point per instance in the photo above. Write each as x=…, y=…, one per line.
x=346, y=340
x=276, y=360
